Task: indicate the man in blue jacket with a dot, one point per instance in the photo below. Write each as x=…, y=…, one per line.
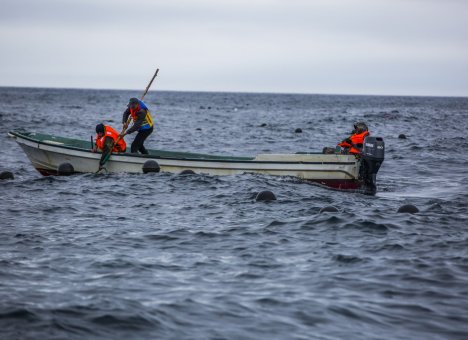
x=142, y=122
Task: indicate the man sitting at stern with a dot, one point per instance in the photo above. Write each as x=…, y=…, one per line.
x=353, y=144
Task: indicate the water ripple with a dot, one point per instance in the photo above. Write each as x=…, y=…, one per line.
x=196, y=257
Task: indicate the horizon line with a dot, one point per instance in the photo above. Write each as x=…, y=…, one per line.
x=238, y=92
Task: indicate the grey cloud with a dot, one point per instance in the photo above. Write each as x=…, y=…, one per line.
x=238, y=45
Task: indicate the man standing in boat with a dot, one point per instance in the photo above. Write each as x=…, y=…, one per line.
x=142, y=122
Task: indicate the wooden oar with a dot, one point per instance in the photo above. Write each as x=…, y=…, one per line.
x=127, y=123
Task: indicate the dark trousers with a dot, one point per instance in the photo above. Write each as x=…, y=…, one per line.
x=137, y=144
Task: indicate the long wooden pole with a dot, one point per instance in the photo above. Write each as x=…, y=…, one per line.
x=127, y=123
x=129, y=119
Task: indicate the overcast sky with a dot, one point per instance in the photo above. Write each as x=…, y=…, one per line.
x=407, y=47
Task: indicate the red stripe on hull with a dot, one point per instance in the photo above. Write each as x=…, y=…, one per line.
x=345, y=185
x=47, y=172
x=339, y=184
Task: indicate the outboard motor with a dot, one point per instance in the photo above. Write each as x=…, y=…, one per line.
x=373, y=152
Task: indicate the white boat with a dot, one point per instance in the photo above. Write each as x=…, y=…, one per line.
x=338, y=171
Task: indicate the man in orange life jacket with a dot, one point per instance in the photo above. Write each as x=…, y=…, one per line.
x=106, y=136
x=353, y=144
x=142, y=122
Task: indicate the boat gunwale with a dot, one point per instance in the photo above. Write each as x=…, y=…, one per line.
x=221, y=160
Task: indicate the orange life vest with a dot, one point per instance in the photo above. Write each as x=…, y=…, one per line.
x=148, y=122
x=121, y=146
x=358, y=140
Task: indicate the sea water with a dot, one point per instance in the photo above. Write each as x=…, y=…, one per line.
x=195, y=257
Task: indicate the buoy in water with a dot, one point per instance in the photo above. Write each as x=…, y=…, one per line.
x=408, y=208
x=328, y=208
x=187, y=172
x=6, y=175
x=298, y=130
x=402, y=136
x=65, y=169
x=151, y=166
x=265, y=196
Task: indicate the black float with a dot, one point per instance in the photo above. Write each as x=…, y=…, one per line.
x=298, y=130
x=328, y=208
x=402, y=136
x=265, y=196
x=408, y=208
x=65, y=169
x=6, y=175
x=187, y=172
x=151, y=166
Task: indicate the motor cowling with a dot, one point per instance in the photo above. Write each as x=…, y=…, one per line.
x=372, y=157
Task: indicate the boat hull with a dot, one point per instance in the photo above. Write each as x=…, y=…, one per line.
x=335, y=171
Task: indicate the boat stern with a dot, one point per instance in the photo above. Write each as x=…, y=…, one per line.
x=373, y=155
